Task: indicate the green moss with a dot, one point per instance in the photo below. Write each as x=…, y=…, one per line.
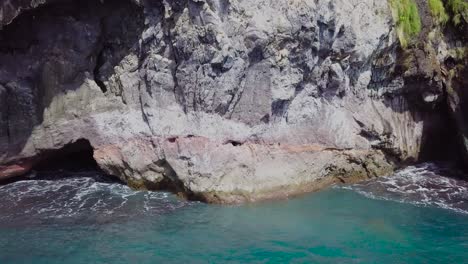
x=438, y=11
x=406, y=15
x=459, y=9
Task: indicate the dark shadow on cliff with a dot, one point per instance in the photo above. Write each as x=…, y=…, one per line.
x=458, y=111
x=55, y=49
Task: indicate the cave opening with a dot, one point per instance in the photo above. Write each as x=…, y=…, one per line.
x=440, y=140
x=75, y=159
x=75, y=156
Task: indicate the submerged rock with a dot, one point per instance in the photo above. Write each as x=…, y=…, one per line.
x=222, y=100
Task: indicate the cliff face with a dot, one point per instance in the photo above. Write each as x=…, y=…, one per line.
x=223, y=100
x=434, y=66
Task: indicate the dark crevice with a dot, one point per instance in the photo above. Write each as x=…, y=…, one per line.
x=8, y=114
x=279, y=108
x=143, y=112
x=256, y=55
x=234, y=143
x=99, y=63
x=326, y=33
x=369, y=135
x=237, y=95
x=265, y=119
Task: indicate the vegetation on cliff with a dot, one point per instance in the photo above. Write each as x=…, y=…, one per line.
x=459, y=9
x=406, y=15
x=408, y=20
x=438, y=11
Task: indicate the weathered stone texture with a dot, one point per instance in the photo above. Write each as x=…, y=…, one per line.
x=230, y=100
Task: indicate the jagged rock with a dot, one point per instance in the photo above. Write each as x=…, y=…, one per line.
x=228, y=100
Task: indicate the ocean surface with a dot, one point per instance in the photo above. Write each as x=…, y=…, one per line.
x=419, y=215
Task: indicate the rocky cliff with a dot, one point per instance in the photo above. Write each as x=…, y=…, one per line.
x=221, y=100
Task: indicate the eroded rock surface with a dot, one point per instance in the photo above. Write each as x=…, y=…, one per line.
x=227, y=100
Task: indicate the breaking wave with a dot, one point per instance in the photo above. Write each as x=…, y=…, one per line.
x=85, y=196
x=90, y=197
x=427, y=184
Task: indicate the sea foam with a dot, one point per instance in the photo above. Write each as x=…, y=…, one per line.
x=426, y=184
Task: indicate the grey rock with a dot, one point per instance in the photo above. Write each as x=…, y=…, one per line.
x=229, y=100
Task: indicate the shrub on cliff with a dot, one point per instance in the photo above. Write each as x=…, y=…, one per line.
x=406, y=15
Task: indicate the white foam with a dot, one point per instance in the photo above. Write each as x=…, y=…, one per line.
x=80, y=196
x=423, y=185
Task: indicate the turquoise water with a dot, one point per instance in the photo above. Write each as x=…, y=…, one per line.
x=79, y=220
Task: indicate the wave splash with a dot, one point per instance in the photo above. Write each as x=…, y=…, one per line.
x=88, y=198
x=82, y=196
x=426, y=184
